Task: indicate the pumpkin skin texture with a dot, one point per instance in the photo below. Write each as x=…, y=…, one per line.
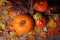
x=23, y=24
x=40, y=6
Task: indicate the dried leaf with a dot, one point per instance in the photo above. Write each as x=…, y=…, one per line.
x=2, y=1
x=1, y=17
x=5, y=11
x=2, y=26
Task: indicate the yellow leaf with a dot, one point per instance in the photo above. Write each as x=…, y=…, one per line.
x=5, y=11
x=1, y=17
x=2, y=1
x=0, y=31
x=52, y=24
x=2, y=26
x=30, y=32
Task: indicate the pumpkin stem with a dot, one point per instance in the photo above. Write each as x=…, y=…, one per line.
x=37, y=16
x=23, y=22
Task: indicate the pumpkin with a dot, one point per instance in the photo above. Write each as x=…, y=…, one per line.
x=23, y=24
x=40, y=21
x=40, y=5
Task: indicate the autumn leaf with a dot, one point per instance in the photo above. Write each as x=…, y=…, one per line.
x=2, y=1
x=5, y=11
x=2, y=26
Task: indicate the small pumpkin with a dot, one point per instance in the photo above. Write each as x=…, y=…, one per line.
x=40, y=21
x=23, y=24
x=40, y=5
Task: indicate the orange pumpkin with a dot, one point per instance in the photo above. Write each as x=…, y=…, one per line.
x=23, y=23
x=40, y=5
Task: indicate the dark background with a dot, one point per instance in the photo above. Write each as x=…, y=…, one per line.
x=51, y=3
